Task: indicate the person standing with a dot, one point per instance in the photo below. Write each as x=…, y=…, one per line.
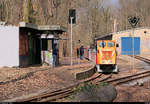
x=77, y=52
x=81, y=52
x=54, y=55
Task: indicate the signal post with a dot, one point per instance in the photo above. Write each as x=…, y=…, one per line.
x=133, y=21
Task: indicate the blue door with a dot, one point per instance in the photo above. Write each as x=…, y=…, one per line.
x=127, y=45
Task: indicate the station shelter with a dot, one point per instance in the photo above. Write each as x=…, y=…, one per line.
x=28, y=44
x=42, y=42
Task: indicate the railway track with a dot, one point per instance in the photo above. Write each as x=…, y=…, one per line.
x=129, y=78
x=142, y=59
x=117, y=81
x=64, y=92
x=132, y=77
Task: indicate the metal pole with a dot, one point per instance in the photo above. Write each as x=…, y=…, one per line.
x=71, y=41
x=89, y=54
x=133, y=21
x=133, y=50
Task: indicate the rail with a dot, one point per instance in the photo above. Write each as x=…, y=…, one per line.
x=64, y=92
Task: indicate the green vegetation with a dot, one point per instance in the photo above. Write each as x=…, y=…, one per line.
x=88, y=86
x=102, y=92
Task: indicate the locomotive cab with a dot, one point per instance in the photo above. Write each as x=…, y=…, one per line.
x=106, y=56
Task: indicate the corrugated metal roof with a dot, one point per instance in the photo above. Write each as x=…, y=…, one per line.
x=44, y=27
x=102, y=36
x=52, y=27
x=28, y=25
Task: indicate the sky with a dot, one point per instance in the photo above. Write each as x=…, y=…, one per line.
x=113, y=2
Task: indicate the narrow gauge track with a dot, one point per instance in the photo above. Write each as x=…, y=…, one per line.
x=142, y=59
x=64, y=92
x=129, y=78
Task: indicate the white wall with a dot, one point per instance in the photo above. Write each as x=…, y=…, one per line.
x=9, y=46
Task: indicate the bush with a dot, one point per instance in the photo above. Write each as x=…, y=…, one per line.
x=92, y=93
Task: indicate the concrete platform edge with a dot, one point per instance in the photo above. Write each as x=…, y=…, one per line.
x=86, y=74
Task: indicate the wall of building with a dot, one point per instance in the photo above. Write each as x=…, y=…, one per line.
x=23, y=49
x=138, y=32
x=9, y=46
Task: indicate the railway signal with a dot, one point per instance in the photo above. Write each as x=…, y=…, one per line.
x=72, y=20
x=72, y=13
x=133, y=21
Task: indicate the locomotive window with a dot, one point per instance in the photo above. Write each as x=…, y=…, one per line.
x=101, y=44
x=111, y=44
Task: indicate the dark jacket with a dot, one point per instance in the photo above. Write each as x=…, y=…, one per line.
x=55, y=51
x=81, y=50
